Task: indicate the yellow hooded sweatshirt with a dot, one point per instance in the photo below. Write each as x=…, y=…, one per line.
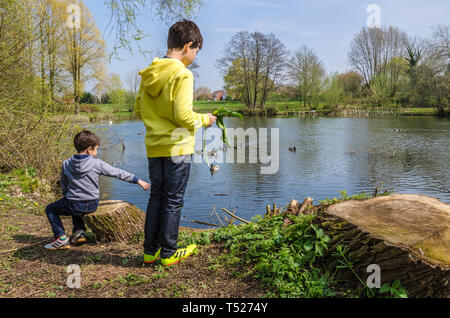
x=164, y=103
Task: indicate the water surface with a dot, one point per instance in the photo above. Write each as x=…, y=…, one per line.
x=333, y=154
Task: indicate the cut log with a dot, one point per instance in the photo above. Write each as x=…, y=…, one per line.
x=116, y=221
x=408, y=236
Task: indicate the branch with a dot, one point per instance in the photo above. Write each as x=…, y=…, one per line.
x=236, y=217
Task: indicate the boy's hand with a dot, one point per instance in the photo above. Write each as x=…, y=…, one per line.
x=212, y=119
x=144, y=185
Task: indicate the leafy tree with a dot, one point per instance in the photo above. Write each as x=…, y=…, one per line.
x=87, y=98
x=50, y=30
x=307, y=73
x=351, y=83
x=17, y=39
x=115, y=89
x=333, y=90
x=284, y=93
x=84, y=50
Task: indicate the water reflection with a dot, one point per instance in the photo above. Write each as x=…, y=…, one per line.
x=333, y=154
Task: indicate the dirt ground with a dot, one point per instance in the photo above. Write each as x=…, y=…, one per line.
x=107, y=270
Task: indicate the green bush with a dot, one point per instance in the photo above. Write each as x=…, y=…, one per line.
x=281, y=257
x=89, y=108
x=269, y=110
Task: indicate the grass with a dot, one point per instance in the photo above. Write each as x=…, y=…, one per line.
x=113, y=112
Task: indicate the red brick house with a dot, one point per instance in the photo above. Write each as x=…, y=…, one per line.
x=218, y=96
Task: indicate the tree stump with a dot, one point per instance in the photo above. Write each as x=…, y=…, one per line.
x=306, y=207
x=408, y=236
x=115, y=221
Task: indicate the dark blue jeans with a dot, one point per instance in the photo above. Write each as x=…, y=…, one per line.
x=169, y=178
x=76, y=209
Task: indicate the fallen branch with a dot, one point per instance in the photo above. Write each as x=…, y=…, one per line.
x=204, y=223
x=218, y=217
x=235, y=216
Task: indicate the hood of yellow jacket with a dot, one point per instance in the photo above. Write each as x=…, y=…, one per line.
x=156, y=75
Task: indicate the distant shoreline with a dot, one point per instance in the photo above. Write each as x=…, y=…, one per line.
x=280, y=109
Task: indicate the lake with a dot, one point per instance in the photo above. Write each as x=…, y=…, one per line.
x=407, y=154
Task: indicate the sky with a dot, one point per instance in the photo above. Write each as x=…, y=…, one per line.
x=326, y=26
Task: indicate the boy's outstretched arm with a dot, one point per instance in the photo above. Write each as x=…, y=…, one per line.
x=110, y=171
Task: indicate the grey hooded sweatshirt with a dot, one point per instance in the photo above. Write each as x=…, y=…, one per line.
x=80, y=174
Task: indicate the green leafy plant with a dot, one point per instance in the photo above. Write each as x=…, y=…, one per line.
x=202, y=238
x=281, y=257
x=394, y=291
x=344, y=197
x=221, y=114
x=345, y=262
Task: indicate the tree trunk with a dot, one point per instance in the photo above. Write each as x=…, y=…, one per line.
x=115, y=221
x=408, y=236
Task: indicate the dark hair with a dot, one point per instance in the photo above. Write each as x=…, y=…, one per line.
x=183, y=32
x=85, y=139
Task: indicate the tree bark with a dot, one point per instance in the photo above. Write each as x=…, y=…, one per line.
x=116, y=221
x=408, y=236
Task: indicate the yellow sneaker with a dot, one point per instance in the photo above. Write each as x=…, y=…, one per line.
x=179, y=255
x=150, y=259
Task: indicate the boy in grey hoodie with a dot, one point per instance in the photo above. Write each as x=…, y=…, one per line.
x=79, y=184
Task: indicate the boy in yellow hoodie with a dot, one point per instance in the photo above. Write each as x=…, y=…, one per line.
x=164, y=103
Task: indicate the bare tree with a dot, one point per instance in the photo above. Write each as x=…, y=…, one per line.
x=133, y=80
x=373, y=54
x=307, y=73
x=203, y=93
x=440, y=46
x=253, y=63
x=440, y=64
